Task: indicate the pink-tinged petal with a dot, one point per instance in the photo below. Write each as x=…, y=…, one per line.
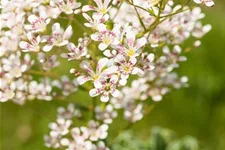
x=107, y=53
x=63, y=43
x=29, y=36
x=135, y=70
x=94, y=92
x=102, y=27
x=120, y=59
x=102, y=46
x=38, y=39
x=47, y=21
x=209, y=3
x=150, y=57
x=130, y=38
x=95, y=37
x=132, y=61
x=105, y=17
x=110, y=70
x=105, y=97
x=101, y=64
x=87, y=17
x=44, y=38
x=198, y=1
x=114, y=79
x=71, y=47
x=28, y=27
x=77, y=5
x=99, y=3
x=56, y=27
x=141, y=42
x=67, y=34
x=106, y=3
x=47, y=48
x=82, y=79
x=87, y=8
x=115, y=93
x=88, y=25
x=32, y=18
x=207, y=28
x=23, y=44
x=141, y=72
x=86, y=66
x=123, y=82
x=97, y=84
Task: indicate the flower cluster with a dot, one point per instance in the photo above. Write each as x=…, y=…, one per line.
x=83, y=138
x=127, y=55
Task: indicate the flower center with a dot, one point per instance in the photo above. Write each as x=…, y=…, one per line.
x=131, y=52
x=107, y=41
x=103, y=10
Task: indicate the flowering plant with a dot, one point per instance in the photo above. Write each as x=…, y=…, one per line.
x=125, y=58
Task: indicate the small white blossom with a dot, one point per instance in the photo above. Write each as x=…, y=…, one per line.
x=33, y=45
x=67, y=6
x=58, y=38
x=106, y=88
x=37, y=24
x=102, y=6
x=208, y=3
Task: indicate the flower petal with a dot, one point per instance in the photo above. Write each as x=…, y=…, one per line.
x=94, y=92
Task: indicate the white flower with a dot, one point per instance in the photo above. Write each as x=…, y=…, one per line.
x=208, y=3
x=48, y=62
x=106, y=88
x=96, y=20
x=132, y=47
x=33, y=45
x=67, y=6
x=14, y=66
x=40, y=91
x=102, y=6
x=66, y=85
x=75, y=52
x=107, y=114
x=134, y=113
x=58, y=38
x=145, y=63
x=101, y=72
x=107, y=37
x=80, y=140
x=95, y=131
x=52, y=140
x=61, y=126
x=126, y=67
x=37, y=24
x=100, y=146
x=69, y=112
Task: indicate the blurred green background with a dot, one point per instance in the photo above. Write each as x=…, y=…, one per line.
x=198, y=111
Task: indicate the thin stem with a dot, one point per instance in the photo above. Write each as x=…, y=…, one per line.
x=93, y=108
x=117, y=11
x=139, y=17
x=49, y=74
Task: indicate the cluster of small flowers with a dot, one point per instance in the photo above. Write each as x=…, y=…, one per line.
x=23, y=28
x=82, y=138
x=134, y=39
